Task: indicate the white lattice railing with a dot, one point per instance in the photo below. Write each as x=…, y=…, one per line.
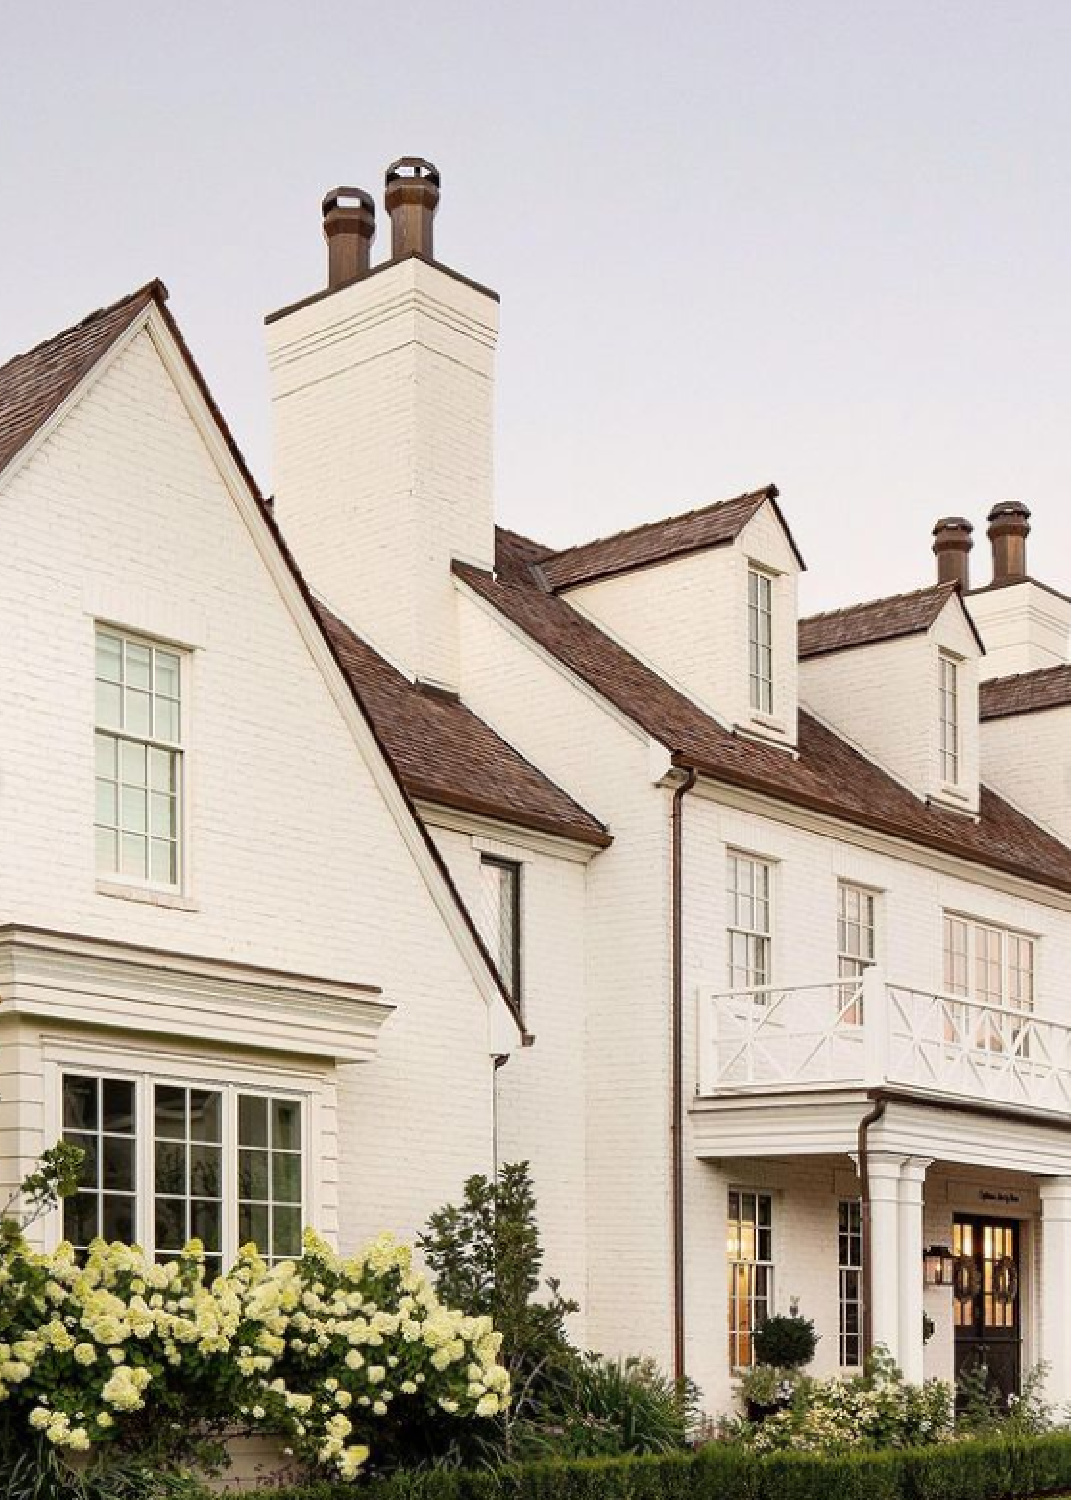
x=867, y=1033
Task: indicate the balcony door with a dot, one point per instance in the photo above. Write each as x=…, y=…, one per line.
x=986, y=1299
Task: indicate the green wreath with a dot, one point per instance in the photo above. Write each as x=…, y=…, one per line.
x=966, y=1280
x=1006, y=1279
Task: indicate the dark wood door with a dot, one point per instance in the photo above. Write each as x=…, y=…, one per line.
x=986, y=1299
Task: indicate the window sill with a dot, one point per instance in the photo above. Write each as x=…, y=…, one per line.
x=768, y=722
x=174, y=900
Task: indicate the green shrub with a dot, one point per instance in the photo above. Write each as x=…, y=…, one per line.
x=787, y=1342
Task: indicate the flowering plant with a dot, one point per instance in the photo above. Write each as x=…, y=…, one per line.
x=327, y=1351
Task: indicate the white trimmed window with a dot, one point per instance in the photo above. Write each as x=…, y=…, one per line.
x=500, y=913
x=855, y=944
x=948, y=720
x=994, y=967
x=850, y=1283
x=138, y=750
x=748, y=899
x=167, y=1161
x=760, y=641
x=750, y=1264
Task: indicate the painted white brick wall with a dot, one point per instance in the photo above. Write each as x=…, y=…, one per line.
x=1026, y=759
x=382, y=400
x=884, y=699
x=296, y=862
x=688, y=619
x=1023, y=626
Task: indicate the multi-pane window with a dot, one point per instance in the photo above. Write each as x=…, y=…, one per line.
x=138, y=747
x=501, y=918
x=948, y=720
x=750, y=1265
x=223, y=1165
x=748, y=899
x=99, y=1117
x=850, y=1283
x=270, y=1174
x=993, y=967
x=760, y=641
x=855, y=944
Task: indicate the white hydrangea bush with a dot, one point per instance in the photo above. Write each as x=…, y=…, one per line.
x=334, y=1354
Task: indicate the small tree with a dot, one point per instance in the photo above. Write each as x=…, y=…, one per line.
x=785, y=1342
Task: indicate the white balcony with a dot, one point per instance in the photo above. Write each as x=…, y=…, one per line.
x=869, y=1034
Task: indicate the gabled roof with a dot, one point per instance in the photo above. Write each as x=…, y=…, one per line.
x=34, y=385
x=445, y=754
x=829, y=776
x=1025, y=693
x=658, y=541
x=876, y=620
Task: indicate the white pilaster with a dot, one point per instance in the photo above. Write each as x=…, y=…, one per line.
x=910, y=1267
x=1056, y=1304
x=884, y=1178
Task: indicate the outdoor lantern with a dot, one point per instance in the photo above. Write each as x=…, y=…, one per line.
x=938, y=1266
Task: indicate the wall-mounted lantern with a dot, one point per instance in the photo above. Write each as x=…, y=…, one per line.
x=938, y=1266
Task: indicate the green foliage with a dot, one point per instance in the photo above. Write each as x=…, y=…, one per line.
x=768, y=1386
x=55, y=1177
x=606, y=1408
x=788, y=1343
x=34, y=1470
x=982, y=1410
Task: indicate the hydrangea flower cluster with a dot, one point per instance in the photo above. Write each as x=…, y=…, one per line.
x=321, y=1350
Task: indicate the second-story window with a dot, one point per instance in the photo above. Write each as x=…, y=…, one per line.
x=995, y=968
x=855, y=944
x=748, y=893
x=760, y=642
x=138, y=750
x=948, y=720
x=501, y=918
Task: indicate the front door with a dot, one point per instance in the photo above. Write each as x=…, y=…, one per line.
x=986, y=1299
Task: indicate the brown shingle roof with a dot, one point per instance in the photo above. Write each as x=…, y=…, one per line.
x=876, y=620
x=829, y=776
x=1025, y=693
x=445, y=754
x=710, y=526
x=34, y=385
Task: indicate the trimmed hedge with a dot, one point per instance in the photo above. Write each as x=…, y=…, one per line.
x=990, y=1469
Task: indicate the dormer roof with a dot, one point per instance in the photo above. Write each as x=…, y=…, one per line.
x=1025, y=692
x=714, y=525
x=877, y=620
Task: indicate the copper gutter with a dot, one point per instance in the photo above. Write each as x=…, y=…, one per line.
x=874, y=1114
x=677, y=1156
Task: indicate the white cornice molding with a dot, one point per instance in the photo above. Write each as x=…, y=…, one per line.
x=499, y=830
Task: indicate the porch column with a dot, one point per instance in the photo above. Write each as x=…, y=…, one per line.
x=1055, y=1303
x=910, y=1267
x=884, y=1177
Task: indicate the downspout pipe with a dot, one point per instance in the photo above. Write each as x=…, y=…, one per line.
x=677, y=1107
x=874, y=1114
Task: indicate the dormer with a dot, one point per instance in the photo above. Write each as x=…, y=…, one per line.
x=899, y=677
x=708, y=599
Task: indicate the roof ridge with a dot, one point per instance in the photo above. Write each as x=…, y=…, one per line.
x=766, y=492
x=154, y=290
x=847, y=609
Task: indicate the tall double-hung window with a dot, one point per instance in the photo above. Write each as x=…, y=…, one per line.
x=850, y=1283
x=994, y=967
x=750, y=1266
x=948, y=720
x=500, y=897
x=139, y=759
x=761, y=641
x=748, y=901
x=855, y=944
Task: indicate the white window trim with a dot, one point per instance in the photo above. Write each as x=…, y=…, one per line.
x=1005, y=930
x=771, y=1265
x=763, y=711
x=147, y=1070
x=956, y=755
x=843, y=1363
x=732, y=851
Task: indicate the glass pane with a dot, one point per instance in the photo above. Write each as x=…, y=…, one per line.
x=167, y=719
x=105, y=748
x=109, y=657
x=253, y=1225
x=286, y=1124
x=170, y=1221
x=134, y=851
x=118, y=1163
x=286, y=1178
x=205, y=1171
x=170, y=1111
x=206, y=1116
x=286, y=1231
x=252, y=1120
x=133, y=810
x=162, y=770
x=163, y=815
x=170, y=1167
x=167, y=673
x=79, y=1102
x=132, y=761
x=137, y=666
x=119, y=1219
x=164, y=868
x=87, y=1144
x=253, y=1174
x=205, y=1222
x=108, y=706
x=137, y=713
x=107, y=846
x=105, y=804
x=80, y=1218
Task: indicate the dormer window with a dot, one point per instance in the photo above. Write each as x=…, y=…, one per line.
x=760, y=642
x=948, y=720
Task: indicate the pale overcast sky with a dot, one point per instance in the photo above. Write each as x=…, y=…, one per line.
x=819, y=242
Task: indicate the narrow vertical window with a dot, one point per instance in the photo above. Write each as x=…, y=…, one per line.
x=99, y=1118
x=750, y=1266
x=760, y=642
x=948, y=721
x=270, y=1175
x=850, y=1286
x=855, y=945
x=138, y=751
x=188, y=1172
x=501, y=918
x=748, y=893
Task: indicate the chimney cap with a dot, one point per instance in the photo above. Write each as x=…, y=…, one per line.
x=954, y=525
x=1009, y=510
x=333, y=200
x=412, y=167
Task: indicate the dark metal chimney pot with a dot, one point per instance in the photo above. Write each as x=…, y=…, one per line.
x=411, y=197
x=952, y=543
x=349, y=228
x=1010, y=523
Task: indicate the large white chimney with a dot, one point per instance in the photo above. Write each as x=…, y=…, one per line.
x=382, y=404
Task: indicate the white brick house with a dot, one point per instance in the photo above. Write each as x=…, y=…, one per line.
x=454, y=849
